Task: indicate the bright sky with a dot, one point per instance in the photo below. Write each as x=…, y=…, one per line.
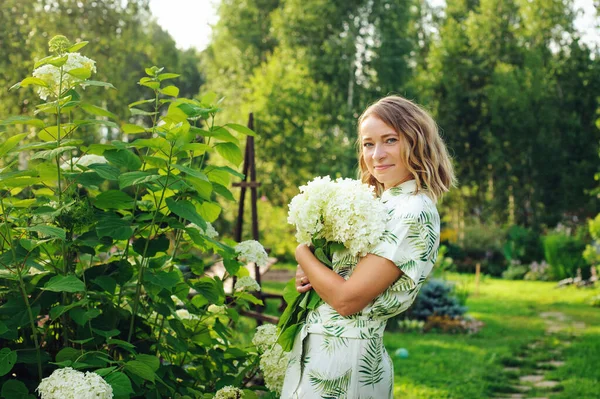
x=189, y=21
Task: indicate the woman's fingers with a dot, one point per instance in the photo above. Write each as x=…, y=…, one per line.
x=301, y=278
x=303, y=288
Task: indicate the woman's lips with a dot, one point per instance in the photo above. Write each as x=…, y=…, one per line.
x=382, y=167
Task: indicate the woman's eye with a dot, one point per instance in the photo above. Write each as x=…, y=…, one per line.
x=391, y=141
x=367, y=144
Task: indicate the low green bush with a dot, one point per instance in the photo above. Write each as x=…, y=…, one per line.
x=564, y=253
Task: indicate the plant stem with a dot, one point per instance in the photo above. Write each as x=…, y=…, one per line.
x=24, y=294
x=144, y=264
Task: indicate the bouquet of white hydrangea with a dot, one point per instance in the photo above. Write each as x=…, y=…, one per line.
x=273, y=360
x=67, y=383
x=330, y=215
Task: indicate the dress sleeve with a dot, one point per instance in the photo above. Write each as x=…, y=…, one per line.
x=403, y=244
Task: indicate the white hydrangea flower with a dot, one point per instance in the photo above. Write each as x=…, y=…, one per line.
x=229, y=392
x=344, y=211
x=176, y=300
x=185, y=314
x=210, y=231
x=51, y=75
x=265, y=336
x=246, y=283
x=252, y=251
x=216, y=309
x=273, y=360
x=85, y=160
x=67, y=383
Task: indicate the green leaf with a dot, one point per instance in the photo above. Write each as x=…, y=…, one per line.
x=140, y=102
x=231, y=152
x=196, y=148
x=166, y=280
x=57, y=311
x=22, y=120
x=108, y=284
x=95, y=122
x=241, y=129
x=186, y=210
x=8, y=358
x=15, y=389
x=155, y=245
x=57, y=61
x=105, y=171
x=76, y=47
x=113, y=199
x=68, y=283
x=120, y=383
x=11, y=143
x=100, y=84
x=140, y=369
x=208, y=288
x=136, y=111
x=94, y=110
x=223, y=135
x=51, y=154
x=249, y=298
x=202, y=187
x=29, y=82
x=111, y=225
x=209, y=211
x=191, y=172
x=152, y=361
x=133, y=129
x=123, y=158
x=51, y=231
x=106, y=334
x=170, y=91
x=156, y=143
x=165, y=76
x=152, y=85
x=68, y=353
x=80, y=73
x=223, y=191
x=81, y=316
x=135, y=178
x=3, y=328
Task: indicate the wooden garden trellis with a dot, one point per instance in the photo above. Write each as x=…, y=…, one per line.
x=250, y=169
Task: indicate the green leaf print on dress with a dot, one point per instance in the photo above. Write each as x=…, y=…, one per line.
x=371, y=368
x=331, y=388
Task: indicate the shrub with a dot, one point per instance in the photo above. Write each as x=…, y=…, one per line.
x=93, y=237
x=564, y=253
x=538, y=271
x=436, y=297
x=482, y=244
x=516, y=271
x=522, y=244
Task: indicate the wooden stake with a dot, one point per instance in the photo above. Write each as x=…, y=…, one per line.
x=477, y=276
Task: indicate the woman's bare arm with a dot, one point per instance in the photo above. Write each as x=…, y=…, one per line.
x=372, y=276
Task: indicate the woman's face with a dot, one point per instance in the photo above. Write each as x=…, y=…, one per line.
x=381, y=149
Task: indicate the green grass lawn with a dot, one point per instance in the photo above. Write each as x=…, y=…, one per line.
x=472, y=366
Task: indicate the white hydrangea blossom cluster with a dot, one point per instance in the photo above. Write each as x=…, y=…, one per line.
x=85, y=160
x=185, y=314
x=51, y=75
x=344, y=211
x=67, y=383
x=229, y=392
x=210, y=231
x=252, y=251
x=246, y=283
x=216, y=309
x=273, y=360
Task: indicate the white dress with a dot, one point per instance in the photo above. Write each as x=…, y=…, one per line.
x=344, y=357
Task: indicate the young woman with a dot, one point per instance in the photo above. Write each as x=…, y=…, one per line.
x=339, y=352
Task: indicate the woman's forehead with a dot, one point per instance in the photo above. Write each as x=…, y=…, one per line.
x=373, y=127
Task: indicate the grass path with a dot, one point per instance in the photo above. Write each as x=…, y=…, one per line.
x=514, y=341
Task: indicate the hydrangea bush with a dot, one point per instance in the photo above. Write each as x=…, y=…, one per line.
x=103, y=246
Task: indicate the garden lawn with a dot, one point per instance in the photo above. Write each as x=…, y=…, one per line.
x=472, y=366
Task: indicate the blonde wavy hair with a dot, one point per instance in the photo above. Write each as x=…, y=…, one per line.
x=424, y=152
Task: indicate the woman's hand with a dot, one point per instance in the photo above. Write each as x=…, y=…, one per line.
x=302, y=283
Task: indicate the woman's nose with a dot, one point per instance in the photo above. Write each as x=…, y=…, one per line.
x=379, y=152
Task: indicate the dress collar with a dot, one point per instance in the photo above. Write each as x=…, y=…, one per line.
x=408, y=187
